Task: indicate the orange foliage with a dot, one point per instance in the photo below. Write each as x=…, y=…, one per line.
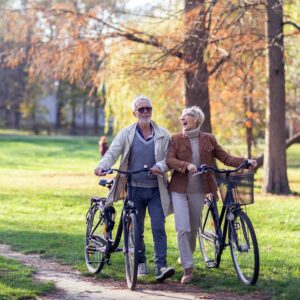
x=63, y=43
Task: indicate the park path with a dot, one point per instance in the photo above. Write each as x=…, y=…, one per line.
x=72, y=285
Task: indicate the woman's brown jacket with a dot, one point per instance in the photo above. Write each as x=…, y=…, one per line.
x=180, y=155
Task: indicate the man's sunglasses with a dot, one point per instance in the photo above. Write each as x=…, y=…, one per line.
x=147, y=109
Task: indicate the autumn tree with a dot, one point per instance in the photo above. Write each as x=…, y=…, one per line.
x=211, y=43
x=66, y=31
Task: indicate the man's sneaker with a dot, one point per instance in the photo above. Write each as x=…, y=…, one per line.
x=142, y=270
x=164, y=273
x=179, y=261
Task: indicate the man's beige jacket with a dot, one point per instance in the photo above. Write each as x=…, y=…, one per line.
x=121, y=146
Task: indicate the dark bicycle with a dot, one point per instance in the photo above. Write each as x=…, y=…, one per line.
x=99, y=242
x=237, y=232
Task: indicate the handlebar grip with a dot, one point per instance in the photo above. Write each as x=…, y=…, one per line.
x=202, y=168
x=108, y=171
x=247, y=165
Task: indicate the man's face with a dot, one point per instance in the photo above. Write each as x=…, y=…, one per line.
x=143, y=111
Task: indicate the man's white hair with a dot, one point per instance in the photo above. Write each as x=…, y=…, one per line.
x=139, y=98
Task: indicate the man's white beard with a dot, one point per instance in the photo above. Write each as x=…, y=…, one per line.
x=145, y=120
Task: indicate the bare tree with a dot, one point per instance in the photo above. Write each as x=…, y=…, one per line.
x=275, y=167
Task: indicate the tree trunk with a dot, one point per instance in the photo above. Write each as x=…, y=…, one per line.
x=59, y=108
x=196, y=75
x=275, y=168
x=74, y=115
x=84, y=113
x=96, y=115
x=249, y=110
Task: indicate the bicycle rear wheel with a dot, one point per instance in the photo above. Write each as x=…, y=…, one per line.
x=208, y=237
x=131, y=250
x=244, y=248
x=95, y=243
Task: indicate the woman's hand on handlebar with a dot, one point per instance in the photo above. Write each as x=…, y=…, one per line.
x=192, y=168
x=252, y=162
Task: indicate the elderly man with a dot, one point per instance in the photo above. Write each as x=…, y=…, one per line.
x=144, y=143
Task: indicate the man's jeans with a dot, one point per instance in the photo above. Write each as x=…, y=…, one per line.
x=143, y=197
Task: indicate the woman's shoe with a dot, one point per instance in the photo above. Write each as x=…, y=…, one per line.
x=187, y=276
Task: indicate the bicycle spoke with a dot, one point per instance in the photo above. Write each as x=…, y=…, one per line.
x=208, y=237
x=244, y=249
x=95, y=243
x=131, y=250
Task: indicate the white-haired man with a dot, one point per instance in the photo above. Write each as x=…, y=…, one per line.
x=144, y=143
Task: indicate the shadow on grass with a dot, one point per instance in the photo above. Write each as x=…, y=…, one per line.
x=66, y=248
x=69, y=249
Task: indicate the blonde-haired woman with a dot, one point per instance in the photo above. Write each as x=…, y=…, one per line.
x=187, y=150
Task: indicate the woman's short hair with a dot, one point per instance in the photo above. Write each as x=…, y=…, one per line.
x=197, y=112
x=139, y=98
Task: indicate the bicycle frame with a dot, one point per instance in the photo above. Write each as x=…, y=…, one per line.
x=127, y=209
x=228, y=208
x=232, y=227
x=222, y=219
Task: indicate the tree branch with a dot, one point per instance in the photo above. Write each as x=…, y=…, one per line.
x=292, y=140
x=291, y=23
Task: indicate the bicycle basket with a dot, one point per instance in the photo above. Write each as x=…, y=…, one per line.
x=242, y=187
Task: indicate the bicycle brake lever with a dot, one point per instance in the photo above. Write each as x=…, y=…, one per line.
x=150, y=173
x=198, y=173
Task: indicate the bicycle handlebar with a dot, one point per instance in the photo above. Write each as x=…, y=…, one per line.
x=205, y=168
x=110, y=171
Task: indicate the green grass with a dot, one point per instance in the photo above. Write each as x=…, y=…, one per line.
x=45, y=186
x=16, y=281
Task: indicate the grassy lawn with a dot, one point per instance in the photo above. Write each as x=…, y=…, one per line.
x=16, y=281
x=45, y=186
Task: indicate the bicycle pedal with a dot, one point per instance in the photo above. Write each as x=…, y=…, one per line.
x=243, y=248
x=211, y=264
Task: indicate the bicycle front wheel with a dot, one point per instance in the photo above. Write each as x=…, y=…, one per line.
x=95, y=243
x=131, y=250
x=244, y=248
x=208, y=237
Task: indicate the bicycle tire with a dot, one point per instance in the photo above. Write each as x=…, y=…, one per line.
x=131, y=250
x=208, y=237
x=95, y=243
x=244, y=248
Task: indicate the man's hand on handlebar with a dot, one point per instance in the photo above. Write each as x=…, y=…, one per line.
x=99, y=172
x=156, y=171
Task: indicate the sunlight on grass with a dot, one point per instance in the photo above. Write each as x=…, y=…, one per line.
x=45, y=186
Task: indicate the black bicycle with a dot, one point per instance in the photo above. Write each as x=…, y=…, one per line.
x=237, y=232
x=99, y=242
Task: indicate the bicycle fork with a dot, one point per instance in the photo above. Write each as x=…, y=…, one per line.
x=235, y=226
x=218, y=239
x=126, y=213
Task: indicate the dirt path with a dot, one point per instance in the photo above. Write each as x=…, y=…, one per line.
x=73, y=285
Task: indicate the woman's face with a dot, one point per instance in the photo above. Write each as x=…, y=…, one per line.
x=188, y=121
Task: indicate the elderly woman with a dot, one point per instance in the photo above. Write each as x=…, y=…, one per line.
x=187, y=150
